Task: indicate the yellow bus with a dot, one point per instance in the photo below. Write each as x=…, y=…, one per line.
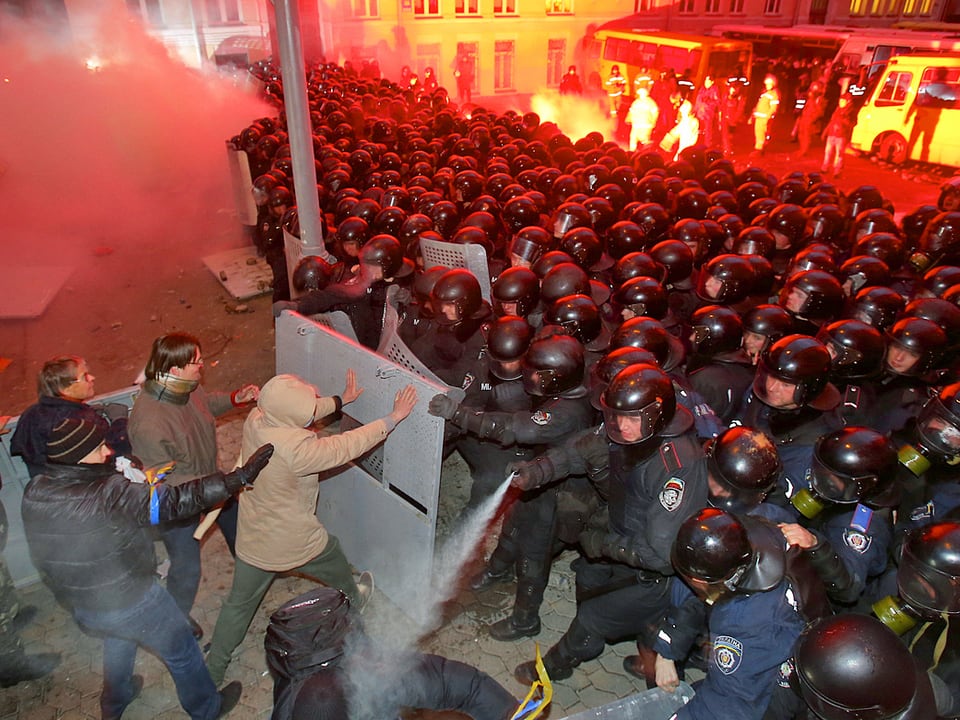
x=910, y=113
x=696, y=55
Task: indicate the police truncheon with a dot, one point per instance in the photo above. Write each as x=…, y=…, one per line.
x=383, y=506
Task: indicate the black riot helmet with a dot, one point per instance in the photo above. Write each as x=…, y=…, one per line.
x=637, y=404
x=520, y=212
x=825, y=223
x=637, y=264
x=692, y=202
x=579, y=316
x=354, y=230
x=877, y=306
x=552, y=366
x=943, y=312
x=564, y=279
x=812, y=295
x=937, y=281
x=913, y=224
x=916, y=339
x=385, y=252
x=864, y=197
x=529, y=244
x=602, y=213
x=862, y=271
x=872, y=221
x=726, y=280
x=460, y=288
x=692, y=234
x=649, y=334
x=716, y=329
x=311, y=273
x=507, y=341
x=568, y=216
x=516, y=292
x=676, y=257
x=764, y=325
x=754, y=240
x=467, y=186
x=787, y=223
x=937, y=434
x=623, y=238
x=584, y=246
x=857, y=349
x=651, y=189
x=607, y=368
x=801, y=364
x=653, y=219
x=851, y=465
x=742, y=466
x=885, y=246
x=928, y=577
x=712, y=549
x=642, y=296
x=853, y=667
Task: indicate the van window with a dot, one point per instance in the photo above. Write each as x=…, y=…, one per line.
x=894, y=89
x=939, y=88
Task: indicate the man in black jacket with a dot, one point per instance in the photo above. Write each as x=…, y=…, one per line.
x=86, y=528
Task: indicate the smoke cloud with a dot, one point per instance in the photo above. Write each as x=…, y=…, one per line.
x=576, y=116
x=110, y=143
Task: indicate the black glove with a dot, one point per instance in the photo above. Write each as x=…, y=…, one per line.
x=591, y=542
x=443, y=406
x=247, y=473
x=530, y=474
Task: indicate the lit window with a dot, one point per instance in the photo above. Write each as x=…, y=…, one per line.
x=504, y=60
x=686, y=6
x=426, y=8
x=504, y=7
x=556, y=57
x=771, y=7
x=926, y=7
x=146, y=10
x=468, y=7
x=559, y=7
x=736, y=7
x=366, y=8
x=909, y=7
x=222, y=12
x=713, y=7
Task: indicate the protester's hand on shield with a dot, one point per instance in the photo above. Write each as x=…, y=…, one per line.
x=404, y=403
x=666, y=672
x=352, y=391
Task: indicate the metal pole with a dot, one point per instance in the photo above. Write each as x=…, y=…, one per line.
x=294, y=76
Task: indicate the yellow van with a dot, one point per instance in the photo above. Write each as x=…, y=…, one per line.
x=694, y=56
x=909, y=115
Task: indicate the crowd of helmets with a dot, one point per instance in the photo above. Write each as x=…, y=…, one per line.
x=724, y=279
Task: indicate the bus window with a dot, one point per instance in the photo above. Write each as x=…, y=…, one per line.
x=617, y=50
x=938, y=88
x=674, y=58
x=894, y=90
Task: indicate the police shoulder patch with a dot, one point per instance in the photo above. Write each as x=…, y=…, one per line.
x=541, y=417
x=727, y=654
x=672, y=494
x=856, y=540
x=784, y=673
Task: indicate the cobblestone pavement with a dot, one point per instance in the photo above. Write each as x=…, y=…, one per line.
x=72, y=691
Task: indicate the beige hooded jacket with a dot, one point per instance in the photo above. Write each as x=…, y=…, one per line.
x=278, y=528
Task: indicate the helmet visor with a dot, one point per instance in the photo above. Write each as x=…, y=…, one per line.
x=828, y=709
x=839, y=487
x=775, y=392
x=525, y=249
x=927, y=588
x=938, y=430
x=628, y=427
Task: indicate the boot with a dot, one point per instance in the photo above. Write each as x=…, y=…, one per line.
x=642, y=665
x=229, y=697
x=558, y=662
x=525, y=620
x=494, y=573
x=28, y=667
x=521, y=623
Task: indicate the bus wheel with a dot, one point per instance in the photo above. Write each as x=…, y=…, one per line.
x=893, y=148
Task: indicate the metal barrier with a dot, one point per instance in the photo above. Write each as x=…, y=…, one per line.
x=383, y=507
x=15, y=479
x=454, y=255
